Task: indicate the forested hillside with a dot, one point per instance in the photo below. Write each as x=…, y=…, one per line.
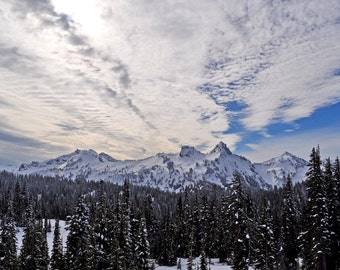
x=135, y=227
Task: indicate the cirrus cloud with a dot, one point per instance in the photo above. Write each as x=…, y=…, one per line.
x=135, y=78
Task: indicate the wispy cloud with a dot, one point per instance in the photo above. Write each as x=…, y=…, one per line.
x=119, y=76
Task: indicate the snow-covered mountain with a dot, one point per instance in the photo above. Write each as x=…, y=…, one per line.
x=172, y=171
x=276, y=170
x=7, y=167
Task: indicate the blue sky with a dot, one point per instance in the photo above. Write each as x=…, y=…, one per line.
x=134, y=78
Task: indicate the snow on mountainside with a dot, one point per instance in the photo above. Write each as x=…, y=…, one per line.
x=7, y=167
x=276, y=170
x=172, y=171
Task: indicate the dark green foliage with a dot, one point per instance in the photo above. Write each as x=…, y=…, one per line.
x=167, y=245
x=266, y=251
x=288, y=250
x=181, y=241
x=224, y=246
x=125, y=232
x=57, y=257
x=316, y=237
x=190, y=257
x=203, y=261
x=78, y=240
x=128, y=227
x=101, y=235
x=142, y=247
x=34, y=253
x=237, y=214
x=333, y=213
x=8, y=250
x=336, y=214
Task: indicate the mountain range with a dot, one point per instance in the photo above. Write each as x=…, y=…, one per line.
x=172, y=171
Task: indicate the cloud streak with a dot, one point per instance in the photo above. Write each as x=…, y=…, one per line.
x=125, y=75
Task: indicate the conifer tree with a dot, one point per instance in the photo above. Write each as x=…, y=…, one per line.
x=167, y=245
x=142, y=247
x=266, y=248
x=78, y=239
x=333, y=213
x=187, y=224
x=34, y=253
x=20, y=204
x=224, y=245
x=288, y=251
x=57, y=256
x=100, y=235
x=8, y=250
x=116, y=259
x=336, y=180
x=316, y=241
x=180, y=229
x=204, y=221
x=212, y=228
x=203, y=261
x=151, y=222
x=196, y=225
x=190, y=252
x=42, y=235
x=239, y=234
x=125, y=233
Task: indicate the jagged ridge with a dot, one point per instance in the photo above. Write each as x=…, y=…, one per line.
x=173, y=171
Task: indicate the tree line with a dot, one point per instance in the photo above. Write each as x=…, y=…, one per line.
x=131, y=227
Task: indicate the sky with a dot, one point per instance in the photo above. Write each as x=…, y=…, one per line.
x=135, y=78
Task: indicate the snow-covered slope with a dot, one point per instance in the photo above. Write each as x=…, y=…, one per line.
x=276, y=170
x=7, y=167
x=172, y=171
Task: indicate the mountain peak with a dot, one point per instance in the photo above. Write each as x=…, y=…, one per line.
x=188, y=151
x=221, y=147
x=172, y=171
x=107, y=157
x=287, y=154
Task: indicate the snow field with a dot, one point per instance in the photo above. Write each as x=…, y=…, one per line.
x=214, y=265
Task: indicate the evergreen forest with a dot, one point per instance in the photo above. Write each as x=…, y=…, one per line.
x=136, y=228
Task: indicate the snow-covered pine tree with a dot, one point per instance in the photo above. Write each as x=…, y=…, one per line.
x=167, y=245
x=142, y=247
x=316, y=235
x=288, y=250
x=238, y=224
x=333, y=212
x=224, y=246
x=187, y=218
x=125, y=233
x=20, y=204
x=336, y=180
x=151, y=223
x=179, y=264
x=34, y=253
x=180, y=229
x=8, y=240
x=205, y=229
x=203, y=261
x=57, y=254
x=196, y=225
x=190, y=251
x=251, y=222
x=100, y=228
x=42, y=236
x=78, y=239
x=266, y=250
x=212, y=228
x=115, y=259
